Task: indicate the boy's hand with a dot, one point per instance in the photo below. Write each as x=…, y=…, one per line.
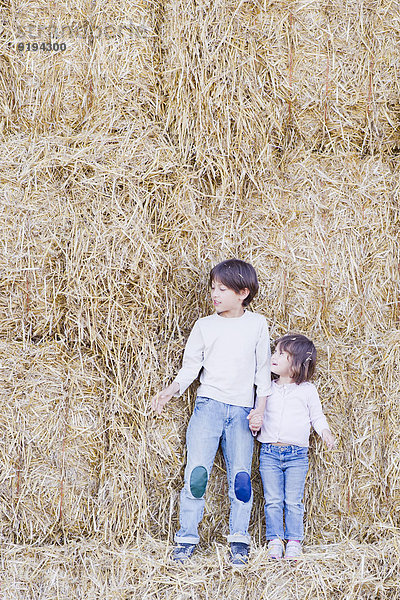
x=255, y=418
x=160, y=400
x=328, y=439
x=256, y=414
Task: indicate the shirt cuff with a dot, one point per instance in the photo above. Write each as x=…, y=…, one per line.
x=181, y=387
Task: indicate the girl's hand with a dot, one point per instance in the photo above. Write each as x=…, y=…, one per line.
x=328, y=439
x=255, y=418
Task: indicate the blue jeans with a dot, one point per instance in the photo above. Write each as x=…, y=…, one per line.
x=283, y=472
x=210, y=423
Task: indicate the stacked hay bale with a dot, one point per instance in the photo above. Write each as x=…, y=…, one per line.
x=132, y=163
x=91, y=570
x=52, y=415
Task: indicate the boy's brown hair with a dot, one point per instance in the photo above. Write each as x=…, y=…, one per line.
x=236, y=275
x=303, y=355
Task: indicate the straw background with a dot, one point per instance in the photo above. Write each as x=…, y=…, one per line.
x=168, y=136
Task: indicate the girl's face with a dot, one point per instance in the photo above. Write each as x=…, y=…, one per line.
x=281, y=363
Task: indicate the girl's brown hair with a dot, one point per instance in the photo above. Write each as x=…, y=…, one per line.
x=303, y=355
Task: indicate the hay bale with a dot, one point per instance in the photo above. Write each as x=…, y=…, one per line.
x=52, y=419
x=91, y=570
x=243, y=78
x=31, y=263
x=100, y=82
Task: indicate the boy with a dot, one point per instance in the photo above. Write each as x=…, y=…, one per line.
x=231, y=349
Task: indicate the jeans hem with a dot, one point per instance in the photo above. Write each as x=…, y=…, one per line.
x=298, y=538
x=186, y=540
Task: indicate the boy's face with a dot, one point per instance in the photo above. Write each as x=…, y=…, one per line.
x=227, y=302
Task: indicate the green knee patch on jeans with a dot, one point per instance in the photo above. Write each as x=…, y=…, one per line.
x=198, y=481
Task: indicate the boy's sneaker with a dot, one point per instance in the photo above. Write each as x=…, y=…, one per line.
x=293, y=550
x=275, y=548
x=182, y=552
x=239, y=553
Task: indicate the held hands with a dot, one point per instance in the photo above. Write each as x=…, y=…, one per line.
x=160, y=400
x=328, y=439
x=256, y=415
x=255, y=418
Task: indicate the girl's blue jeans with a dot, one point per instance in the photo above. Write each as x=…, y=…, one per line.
x=213, y=422
x=283, y=472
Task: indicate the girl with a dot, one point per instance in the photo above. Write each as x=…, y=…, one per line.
x=291, y=409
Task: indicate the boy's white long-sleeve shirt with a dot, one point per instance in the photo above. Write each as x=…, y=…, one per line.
x=233, y=355
x=290, y=411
